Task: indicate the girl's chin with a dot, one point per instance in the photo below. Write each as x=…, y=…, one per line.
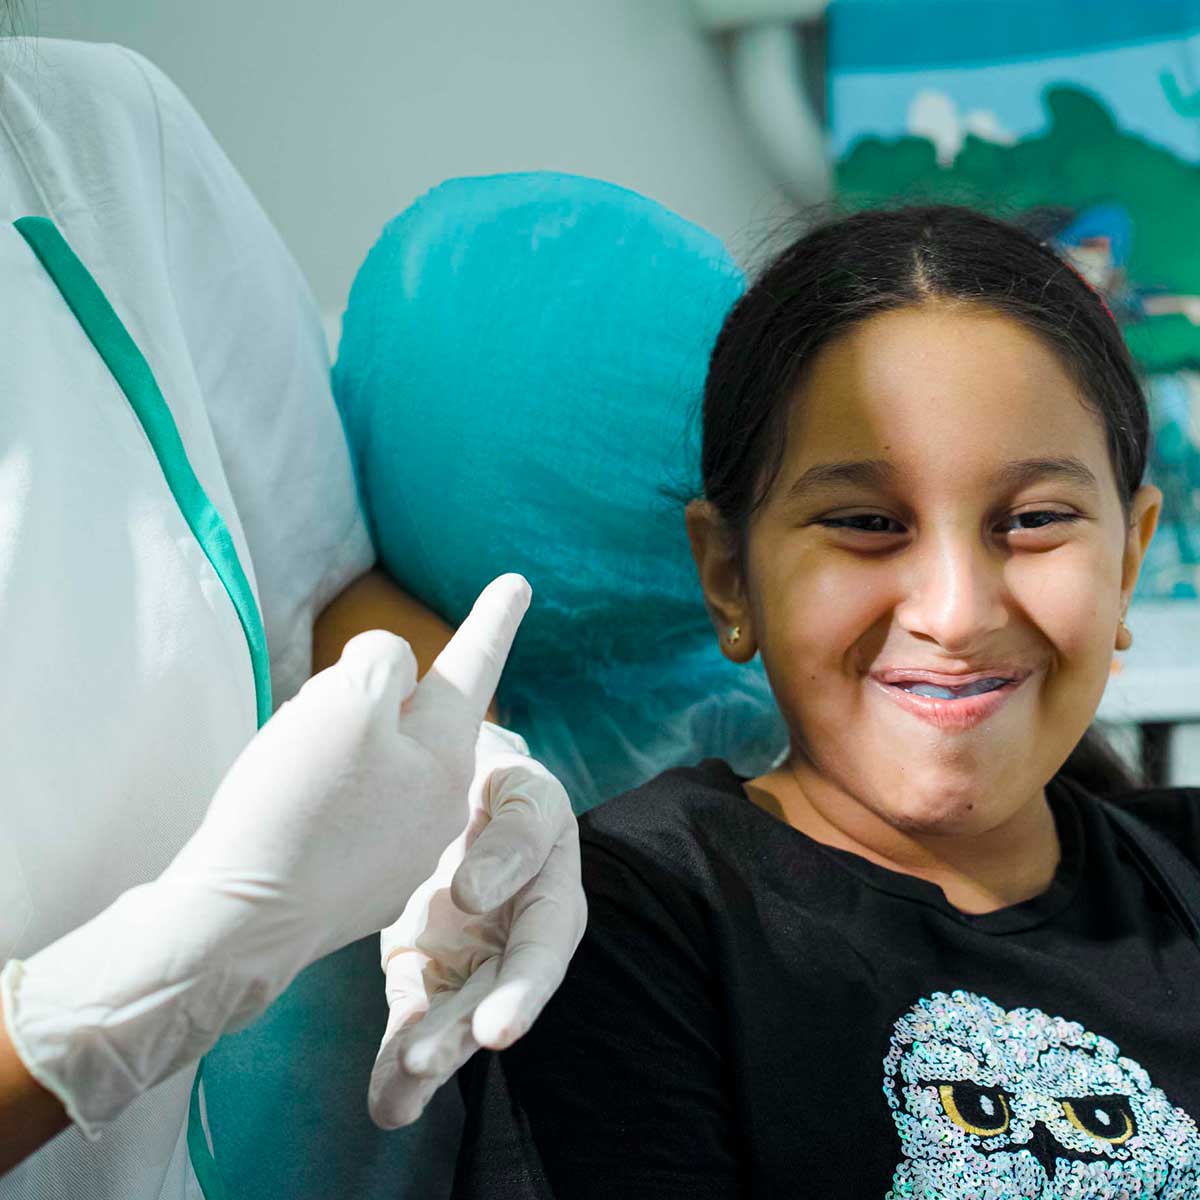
x=947, y=809
x=944, y=799
x=938, y=799
x=942, y=820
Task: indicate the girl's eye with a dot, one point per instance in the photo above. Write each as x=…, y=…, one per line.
x=863, y=523
x=877, y=523
x=1018, y=522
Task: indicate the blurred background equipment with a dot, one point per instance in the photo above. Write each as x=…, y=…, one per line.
x=777, y=76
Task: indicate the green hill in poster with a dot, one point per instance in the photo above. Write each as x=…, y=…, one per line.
x=1083, y=159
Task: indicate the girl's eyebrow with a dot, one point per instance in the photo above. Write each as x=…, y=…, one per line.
x=1022, y=472
x=870, y=473
x=875, y=473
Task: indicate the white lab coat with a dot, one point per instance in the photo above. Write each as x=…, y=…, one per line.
x=125, y=676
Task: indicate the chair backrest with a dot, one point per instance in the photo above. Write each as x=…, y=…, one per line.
x=520, y=373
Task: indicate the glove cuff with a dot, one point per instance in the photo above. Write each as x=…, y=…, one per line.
x=134, y=995
x=10, y=983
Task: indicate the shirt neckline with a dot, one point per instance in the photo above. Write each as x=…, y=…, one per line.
x=1027, y=914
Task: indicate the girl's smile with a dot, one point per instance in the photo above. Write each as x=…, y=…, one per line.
x=952, y=704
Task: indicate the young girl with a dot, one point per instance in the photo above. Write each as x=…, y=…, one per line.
x=918, y=958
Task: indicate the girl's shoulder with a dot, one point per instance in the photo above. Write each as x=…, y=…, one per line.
x=679, y=809
x=1172, y=811
x=680, y=793
x=679, y=833
x=694, y=838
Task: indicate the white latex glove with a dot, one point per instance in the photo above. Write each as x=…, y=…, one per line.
x=485, y=941
x=317, y=836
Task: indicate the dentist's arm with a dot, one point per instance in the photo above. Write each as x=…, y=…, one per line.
x=318, y=834
x=30, y=1115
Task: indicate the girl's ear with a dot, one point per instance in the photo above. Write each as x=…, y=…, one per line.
x=1143, y=520
x=715, y=551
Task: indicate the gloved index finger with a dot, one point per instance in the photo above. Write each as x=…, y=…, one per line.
x=472, y=662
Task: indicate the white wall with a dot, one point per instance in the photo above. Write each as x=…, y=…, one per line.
x=339, y=115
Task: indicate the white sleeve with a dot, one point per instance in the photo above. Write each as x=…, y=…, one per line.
x=261, y=360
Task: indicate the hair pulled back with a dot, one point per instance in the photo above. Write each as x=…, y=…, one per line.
x=844, y=272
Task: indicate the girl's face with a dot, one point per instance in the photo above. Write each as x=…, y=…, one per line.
x=937, y=577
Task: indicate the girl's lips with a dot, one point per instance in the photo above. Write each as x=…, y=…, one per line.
x=951, y=716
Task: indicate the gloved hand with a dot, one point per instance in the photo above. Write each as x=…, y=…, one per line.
x=485, y=941
x=317, y=836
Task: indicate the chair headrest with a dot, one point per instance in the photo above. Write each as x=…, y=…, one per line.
x=520, y=374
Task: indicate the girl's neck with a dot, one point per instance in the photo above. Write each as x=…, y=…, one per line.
x=977, y=873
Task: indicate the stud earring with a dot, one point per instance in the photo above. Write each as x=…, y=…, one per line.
x=1124, y=636
x=735, y=634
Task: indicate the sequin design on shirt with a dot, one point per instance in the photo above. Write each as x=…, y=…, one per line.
x=1012, y=1104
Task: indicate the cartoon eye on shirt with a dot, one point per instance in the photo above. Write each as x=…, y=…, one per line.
x=978, y=1110
x=1109, y=1118
x=1015, y=1103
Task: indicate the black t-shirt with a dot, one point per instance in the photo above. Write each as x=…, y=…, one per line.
x=752, y=1013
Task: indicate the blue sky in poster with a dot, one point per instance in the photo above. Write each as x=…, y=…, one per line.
x=877, y=103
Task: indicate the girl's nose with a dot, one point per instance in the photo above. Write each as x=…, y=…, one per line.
x=954, y=595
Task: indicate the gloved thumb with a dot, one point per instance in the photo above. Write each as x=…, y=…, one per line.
x=381, y=666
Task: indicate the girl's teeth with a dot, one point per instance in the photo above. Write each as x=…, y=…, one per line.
x=933, y=692
x=981, y=686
